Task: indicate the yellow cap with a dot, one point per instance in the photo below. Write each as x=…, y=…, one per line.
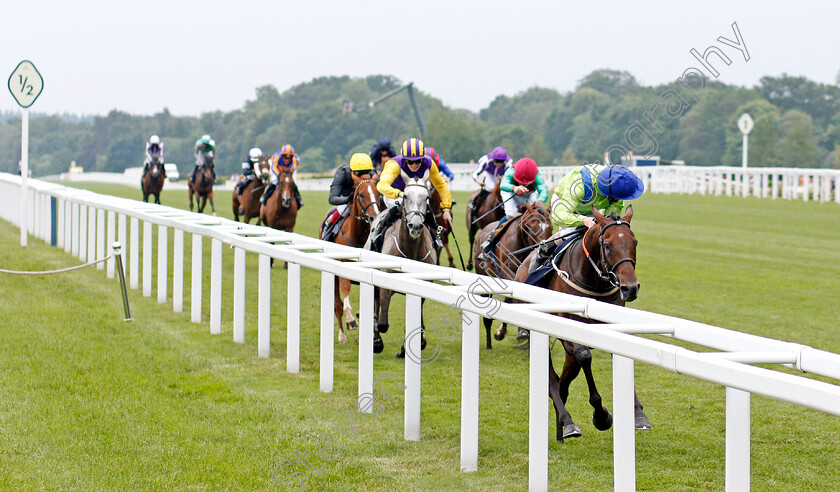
x=360, y=162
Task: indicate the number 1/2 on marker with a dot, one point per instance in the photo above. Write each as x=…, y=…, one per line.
x=23, y=81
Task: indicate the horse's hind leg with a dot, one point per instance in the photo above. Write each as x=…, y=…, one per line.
x=337, y=309
x=350, y=320
x=488, y=325
x=642, y=422
x=565, y=426
x=212, y=206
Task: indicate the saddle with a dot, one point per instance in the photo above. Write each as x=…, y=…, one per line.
x=538, y=275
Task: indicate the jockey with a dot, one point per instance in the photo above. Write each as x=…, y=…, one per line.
x=154, y=154
x=522, y=184
x=413, y=163
x=604, y=187
x=342, y=189
x=441, y=164
x=205, y=150
x=283, y=162
x=250, y=169
x=381, y=153
x=490, y=169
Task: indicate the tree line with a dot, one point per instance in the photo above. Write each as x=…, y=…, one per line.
x=797, y=124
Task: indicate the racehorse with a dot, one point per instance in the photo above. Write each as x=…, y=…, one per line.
x=250, y=199
x=434, y=203
x=280, y=210
x=525, y=230
x=202, y=188
x=602, y=266
x=408, y=237
x=490, y=210
x=354, y=231
x=152, y=182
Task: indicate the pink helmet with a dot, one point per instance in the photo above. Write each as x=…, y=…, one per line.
x=525, y=171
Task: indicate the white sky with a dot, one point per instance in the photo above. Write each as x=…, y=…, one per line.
x=197, y=56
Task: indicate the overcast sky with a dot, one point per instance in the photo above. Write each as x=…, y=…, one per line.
x=198, y=56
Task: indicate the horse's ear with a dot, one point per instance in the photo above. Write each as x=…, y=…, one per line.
x=628, y=214
x=425, y=175
x=598, y=215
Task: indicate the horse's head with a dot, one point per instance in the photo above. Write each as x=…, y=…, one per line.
x=365, y=197
x=155, y=169
x=535, y=224
x=617, y=250
x=285, y=187
x=414, y=202
x=264, y=165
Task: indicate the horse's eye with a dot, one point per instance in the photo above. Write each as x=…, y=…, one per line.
x=635, y=242
x=607, y=247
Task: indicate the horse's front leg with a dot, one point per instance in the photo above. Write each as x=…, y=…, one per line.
x=337, y=310
x=449, y=252
x=565, y=426
x=212, y=206
x=642, y=422
x=601, y=417
x=381, y=325
x=349, y=319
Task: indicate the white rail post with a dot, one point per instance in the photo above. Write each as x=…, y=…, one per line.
x=293, y=319
x=74, y=232
x=68, y=226
x=111, y=237
x=122, y=233
x=774, y=190
x=238, y=295
x=147, y=258
x=264, y=308
x=538, y=415
x=411, y=425
x=216, y=286
x=101, y=244
x=163, y=264
x=737, y=440
x=91, y=240
x=33, y=211
x=134, y=253
x=469, y=392
x=624, y=439
x=327, y=328
x=366, y=346
x=83, y=233
x=196, y=277
x=178, y=271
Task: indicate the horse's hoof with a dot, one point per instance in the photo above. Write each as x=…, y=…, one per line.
x=602, y=420
x=378, y=345
x=642, y=423
x=422, y=342
x=382, y=327
x=214, y=214
x=342, y=338
x=401, y=353
x=571, y=430
x=523, y=334
x=469, y=266
x=353, y=325
x=499, y=335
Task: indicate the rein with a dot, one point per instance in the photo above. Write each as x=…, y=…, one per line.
x=608, y=274
x=363, y=216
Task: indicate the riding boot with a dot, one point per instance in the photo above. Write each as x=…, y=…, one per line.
x=297, y=197
x=267, y=193
x=490, y=243
x=194, y=174
x=479, y=199
x=543, y=254
x=431, y=223
x=378, y=234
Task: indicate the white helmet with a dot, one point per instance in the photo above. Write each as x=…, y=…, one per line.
x=255, y=154
x=155, y=140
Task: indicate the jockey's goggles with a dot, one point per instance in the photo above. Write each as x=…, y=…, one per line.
x=413, y=162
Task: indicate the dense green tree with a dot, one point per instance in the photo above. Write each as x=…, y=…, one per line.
x=611, y=82
x=798, y=145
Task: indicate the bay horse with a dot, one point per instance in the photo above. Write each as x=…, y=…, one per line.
x=280, y=210
x=250, y=199
x=202, y=188
x=434, y=204
x=363, y=207
x=602, y=266
x=152, y=182
x=488, y=211
x=407, y=237
x=528, y=229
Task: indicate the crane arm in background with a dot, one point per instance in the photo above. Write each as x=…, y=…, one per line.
x=410, y=88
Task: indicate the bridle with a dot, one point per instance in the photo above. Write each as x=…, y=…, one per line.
x=408, y=214
x=608, y=273
x=357, y=199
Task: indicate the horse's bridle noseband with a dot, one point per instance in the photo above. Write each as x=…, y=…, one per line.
x=363, y=216
x=608, y=274
x=422, y=215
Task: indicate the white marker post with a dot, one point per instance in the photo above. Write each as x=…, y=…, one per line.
x=25, y=84
x=745, y=124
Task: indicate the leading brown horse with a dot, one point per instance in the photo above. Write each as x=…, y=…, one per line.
x=202, y=188
x=525, y=230
x=363, y=208
x=489, y=210
x=280, y=210
x=602, y=266
x=152, y=182
x=250, y=199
